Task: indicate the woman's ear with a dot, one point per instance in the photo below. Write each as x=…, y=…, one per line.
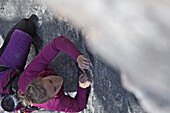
x=39, y=77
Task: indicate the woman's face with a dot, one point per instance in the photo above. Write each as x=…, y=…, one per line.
x=52, y=84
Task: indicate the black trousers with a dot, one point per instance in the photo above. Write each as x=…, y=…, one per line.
x=25, y=25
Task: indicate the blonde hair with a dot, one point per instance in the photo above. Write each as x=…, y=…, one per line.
x=35, y=93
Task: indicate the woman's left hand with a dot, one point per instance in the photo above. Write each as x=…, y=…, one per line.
x=83, y=62
x=84, y=81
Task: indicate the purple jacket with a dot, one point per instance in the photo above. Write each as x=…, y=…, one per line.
x=39, y=66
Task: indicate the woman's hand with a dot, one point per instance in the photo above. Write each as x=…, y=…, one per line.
x=83, y=62
x=84, y=81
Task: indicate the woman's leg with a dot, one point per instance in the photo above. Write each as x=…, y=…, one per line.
x=25, y=25
x=17, y=44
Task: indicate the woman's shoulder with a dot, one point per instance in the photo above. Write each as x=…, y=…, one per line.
x=46, y=73
x=49, y=105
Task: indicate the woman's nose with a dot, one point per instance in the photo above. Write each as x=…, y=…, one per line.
x=56, y=80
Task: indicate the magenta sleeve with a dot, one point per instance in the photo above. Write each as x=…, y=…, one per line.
x=68, y=104
x=43, y=59
x=63, y=44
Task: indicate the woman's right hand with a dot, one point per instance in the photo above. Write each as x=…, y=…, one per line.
x=83, y=62
x=84, y=81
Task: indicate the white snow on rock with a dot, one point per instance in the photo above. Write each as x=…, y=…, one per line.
x=1, y=41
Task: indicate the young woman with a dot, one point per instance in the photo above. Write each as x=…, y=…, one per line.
x=38, y=84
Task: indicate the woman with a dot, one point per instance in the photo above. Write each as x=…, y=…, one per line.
x=38, y=85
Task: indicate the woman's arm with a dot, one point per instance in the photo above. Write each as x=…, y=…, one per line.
x=68, y=104
x=44, y=58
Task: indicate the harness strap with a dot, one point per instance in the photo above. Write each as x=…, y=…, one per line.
x=3, y=68
x=10, y=84
x=11, y=80
x=29, y=109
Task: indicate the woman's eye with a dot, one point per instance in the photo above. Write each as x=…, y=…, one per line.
x=55, y=89
x=50, y=81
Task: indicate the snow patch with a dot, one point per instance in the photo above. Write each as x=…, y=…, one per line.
x=1, y=41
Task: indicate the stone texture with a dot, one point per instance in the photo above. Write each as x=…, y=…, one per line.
x=107, y=94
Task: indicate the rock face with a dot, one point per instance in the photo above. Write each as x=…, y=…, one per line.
x=107, y=94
